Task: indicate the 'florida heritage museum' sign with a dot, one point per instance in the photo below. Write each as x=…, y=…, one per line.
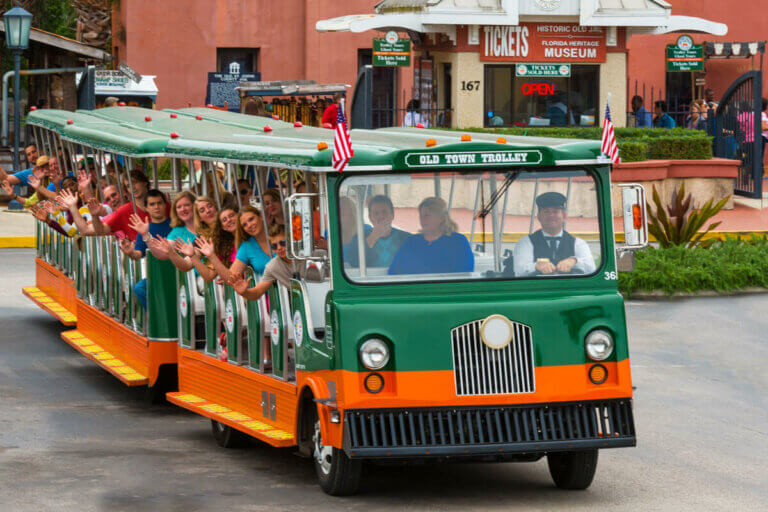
x=543, y=42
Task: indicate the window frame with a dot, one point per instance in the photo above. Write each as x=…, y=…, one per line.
x=589, y=172
x=489, y=93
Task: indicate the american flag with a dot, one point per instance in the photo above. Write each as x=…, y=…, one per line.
x=609, y=146
x=342, y=144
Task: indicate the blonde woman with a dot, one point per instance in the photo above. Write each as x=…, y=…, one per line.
x=438, y=249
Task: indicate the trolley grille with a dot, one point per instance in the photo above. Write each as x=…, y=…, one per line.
x=480, y=370
x=542, y=424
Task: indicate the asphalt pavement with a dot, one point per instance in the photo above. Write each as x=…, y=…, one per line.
x=73, y=438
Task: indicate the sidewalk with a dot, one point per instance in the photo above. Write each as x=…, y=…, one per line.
x=17, y=228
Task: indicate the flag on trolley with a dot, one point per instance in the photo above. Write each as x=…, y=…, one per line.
x=342, y=143
x=609, y=147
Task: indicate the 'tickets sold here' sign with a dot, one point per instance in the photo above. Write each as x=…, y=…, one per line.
x=543, y=42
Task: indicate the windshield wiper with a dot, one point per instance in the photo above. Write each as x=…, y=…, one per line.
x=510, y=176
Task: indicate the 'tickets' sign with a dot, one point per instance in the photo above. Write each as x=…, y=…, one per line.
x=543, y=42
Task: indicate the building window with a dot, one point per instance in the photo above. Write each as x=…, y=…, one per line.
x=552, y=101
x=237, y=60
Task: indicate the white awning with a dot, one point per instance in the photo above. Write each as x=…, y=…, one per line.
x=640, y=16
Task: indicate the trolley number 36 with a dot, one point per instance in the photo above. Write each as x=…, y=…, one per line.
x=470, y=85
x=611, y=276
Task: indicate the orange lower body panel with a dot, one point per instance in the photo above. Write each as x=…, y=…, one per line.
x=54, y=292
x=238, y=389
x=567, y=383
x=145, y=356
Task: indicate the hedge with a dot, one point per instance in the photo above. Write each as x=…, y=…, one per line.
x=726, y=266
x=635, y=144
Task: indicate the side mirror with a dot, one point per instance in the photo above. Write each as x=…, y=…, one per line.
x=301, y=233
x=635, y=218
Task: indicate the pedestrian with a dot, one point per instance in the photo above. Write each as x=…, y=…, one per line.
x=331, y=112
x=412, y=115
x=662, y=119
x=643, y=118
x=697, y=118
x=764, y=123
x=709, y=97
x=111, y=101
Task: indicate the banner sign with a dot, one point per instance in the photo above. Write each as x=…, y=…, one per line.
x=543, y=42
x=391, y=51
x=543, y=70
x=685, y=56
x=474, y=158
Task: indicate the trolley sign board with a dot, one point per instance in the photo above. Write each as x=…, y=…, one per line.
x=391, y=52
x=685, y=57
x=543, y=70
x=474, y=158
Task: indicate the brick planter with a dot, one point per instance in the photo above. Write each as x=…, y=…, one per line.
x=704, y=179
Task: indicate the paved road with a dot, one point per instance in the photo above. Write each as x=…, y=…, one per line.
x=73, y=438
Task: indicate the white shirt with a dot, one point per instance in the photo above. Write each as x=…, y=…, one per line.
x=412, y=118
x=525, y=264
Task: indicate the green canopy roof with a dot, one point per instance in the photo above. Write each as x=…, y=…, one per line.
x=210, y=134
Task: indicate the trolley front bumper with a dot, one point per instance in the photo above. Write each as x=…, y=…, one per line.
x=488, y=431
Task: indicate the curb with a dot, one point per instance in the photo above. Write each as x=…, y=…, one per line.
x=658, y=295
x=27, y=242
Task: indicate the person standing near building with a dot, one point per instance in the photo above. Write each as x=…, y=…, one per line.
x=662, y=119
x=643, y=118
x=331, y=112
x=709, y=97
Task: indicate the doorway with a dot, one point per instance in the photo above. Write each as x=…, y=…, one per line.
x=383, y=91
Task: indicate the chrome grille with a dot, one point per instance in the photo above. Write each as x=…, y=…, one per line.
x=480, y=370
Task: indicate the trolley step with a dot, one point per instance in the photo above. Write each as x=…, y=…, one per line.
x=49, y=304
x=237, y=420
x=129, y=376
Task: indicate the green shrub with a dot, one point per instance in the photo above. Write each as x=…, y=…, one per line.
x=633, y=151
x=726, y=266
x=164, y=170
x=635, y=144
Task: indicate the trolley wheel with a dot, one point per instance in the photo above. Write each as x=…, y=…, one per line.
x=572, y=470
x=226, y=436
x=337, y=474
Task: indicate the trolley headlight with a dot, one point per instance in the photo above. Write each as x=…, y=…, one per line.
x=374, y=354
x=599, y=345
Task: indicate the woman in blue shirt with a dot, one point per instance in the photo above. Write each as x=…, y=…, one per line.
x=254, y=251
x=438, y=249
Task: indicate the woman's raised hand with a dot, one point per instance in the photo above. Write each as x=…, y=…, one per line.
x=205, y=246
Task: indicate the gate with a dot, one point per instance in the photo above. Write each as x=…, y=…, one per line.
x=738, y=132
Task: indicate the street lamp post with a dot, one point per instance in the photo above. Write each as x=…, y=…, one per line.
x=18, y=23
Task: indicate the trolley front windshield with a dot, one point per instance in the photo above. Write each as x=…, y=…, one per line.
x=469, y=226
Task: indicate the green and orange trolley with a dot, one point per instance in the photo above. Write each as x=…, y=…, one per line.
x=356, y=361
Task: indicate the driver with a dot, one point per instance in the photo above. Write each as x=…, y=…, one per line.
x=551, y=250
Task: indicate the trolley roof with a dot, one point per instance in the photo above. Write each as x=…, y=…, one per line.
x=210, y=134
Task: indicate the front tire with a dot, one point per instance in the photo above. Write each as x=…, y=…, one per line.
x=337, y=474
x=226, y=436
x=572, y=470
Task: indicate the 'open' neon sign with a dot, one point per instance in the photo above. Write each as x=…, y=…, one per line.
x=542, y=89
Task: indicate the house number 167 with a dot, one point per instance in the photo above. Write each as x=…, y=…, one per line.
x=470, y=85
